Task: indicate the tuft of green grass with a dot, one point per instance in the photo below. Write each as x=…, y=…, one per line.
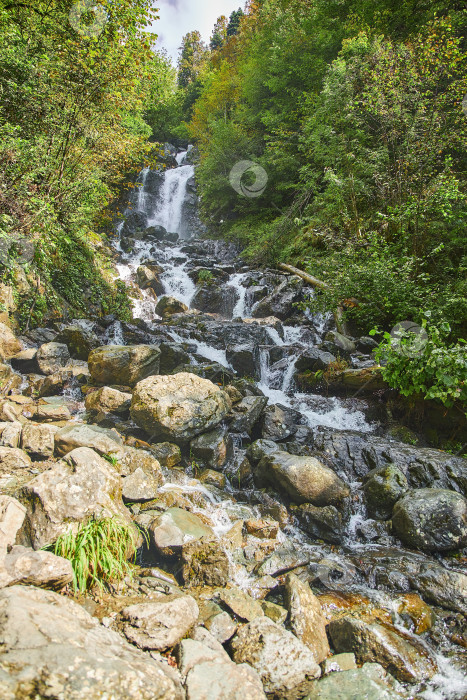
x=98, y=552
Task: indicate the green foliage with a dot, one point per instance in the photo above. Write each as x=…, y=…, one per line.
x=425, y=365
x=205, y=277
x=98, y=552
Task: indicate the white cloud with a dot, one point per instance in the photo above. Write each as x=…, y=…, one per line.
x=177, y=17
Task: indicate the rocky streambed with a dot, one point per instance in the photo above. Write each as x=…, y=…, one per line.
x=293, y=547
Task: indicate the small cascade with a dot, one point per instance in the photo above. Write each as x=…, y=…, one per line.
x=171, y=199
x=241, y=309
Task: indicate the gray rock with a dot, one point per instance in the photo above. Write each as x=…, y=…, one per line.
x=160, y=623
x=214, y=299
x=79, y=340
x=26, y=361
x=178, y=407
x=403, y=656
x=135, y=222
x=172, y=356
x=221, y=626
x=213, y=449
x=43, y=569
x=341, y=345
x=383, y=487
x=247, y=414
x=101, y=440
x=280, y=302
x=79, y=487
x=282, y=560
x=12, y=514
x=52, y=646
x=123, y=365
x=108, y=400
x=38, y=440
x=313, y=360
x=244, y=359
x=434, y=520
x=204, y=563
x=167, y=453
x=12, y=458
x=279, y=422
x=340, y=662
x=304, y=479
x=169, y=306
x=51, y=357
x=10, y=434
x=176, y=527
x=307, y=620
x=241, y=604
x=139, y=487
x=286, y=666
x=353, y=684
x=321, y=523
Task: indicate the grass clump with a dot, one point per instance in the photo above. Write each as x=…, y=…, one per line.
x=98, y=552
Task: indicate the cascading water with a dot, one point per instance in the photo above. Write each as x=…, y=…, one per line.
x=279, y=350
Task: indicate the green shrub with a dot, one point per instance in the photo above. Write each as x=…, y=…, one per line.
x=205, y=277
x=98, y=552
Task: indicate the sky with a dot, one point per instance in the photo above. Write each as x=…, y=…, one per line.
x=177, y=17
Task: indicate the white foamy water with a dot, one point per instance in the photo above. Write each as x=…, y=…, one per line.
x=172, y=194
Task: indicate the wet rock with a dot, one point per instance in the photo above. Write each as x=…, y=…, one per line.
x=79, y=487
x=10, y=434
x=321, y=523
x=108, y=400
x=285, y=665
x=341, y=345
x=167, y=306
x=172, y=356
x=263, y=529
x=313, y=360
x=213, y=449
x=9, y=343
x=247, y=414
x=139, y=487
x=148, y=279
x=210, y=675
x=123, y=365
x=280, y=302
x=178, y=407
x=102, y=440
x=27, y=567
x=204, y=563
x=167, y=453
x=239, y=470
x=281, y=561
x=304, y=479
x=353, y=684
x=413, y=610
x=307, y=621
x=241, y=604
x=383, y=487
x=38, y=440
x=434, y=520
x=25, y=361
x=135, y=222
x=176, y=527
x=405, y=658
x=244, y=359
x=51, y=357
x=215, y=299
x=221, y=626
x=213, y=371
x=44, y=633
x=79, y=340
x=160, y=623
x=279, y=422
x=213, y=478
x=12, y=514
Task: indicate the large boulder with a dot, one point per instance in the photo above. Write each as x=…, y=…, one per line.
x=52, y=647
x=405, y=658
x=245, y=359
x=52, y=357
x=285, y=665
x=383, y=487
x=178, y=407
x=79, y=340
x=9, y=344
x=321, y=523
x=215, y=299
x=434, y=520
x=108, y=400
x=307, y=620
x=162, y=622
x=168, y=306
x=280, y=302
x=304, y=479
x=123, y=365
x=176, y=527
x=81, y=487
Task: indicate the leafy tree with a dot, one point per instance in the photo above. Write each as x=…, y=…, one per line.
x=192, y=60
x=219, y=33
x=234, y=22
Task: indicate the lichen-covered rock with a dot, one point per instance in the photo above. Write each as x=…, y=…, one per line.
x=12, y=458
x=160, y=623
x=10, y=434
x=176, y=527
x=178, y=407
x=168, y=306
x=123, y=365
x=213, y=449
x=12, y=514
x=167, y=453
x=353, y=684
x=307, y=621
x=38, y=440
x=241, y=604
x=102, y=440
x=383, y=487
x=285, y=665
x=321, y=523
x=108, y=400
x=434, y=520
x=52, y=647
x=139, y=487
x=79, y=340
x=81, y=486
x=204, y=563
x=51, y=357
x=43, y=569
